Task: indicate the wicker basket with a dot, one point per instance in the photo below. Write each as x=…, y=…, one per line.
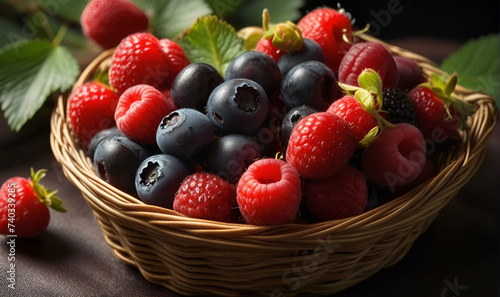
x=199, y=257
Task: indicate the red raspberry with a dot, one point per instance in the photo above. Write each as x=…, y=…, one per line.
x=175, y=56
x=326, y=26
x=360, y=120
x=138, y=59
x=320, y=145
x=266, y=46
x=339, y=196
x=396, y=157
x=107, y=22
x=139, y=112
x=91, y=109
x=269, y=192
x=372, y=55
x=207, y=196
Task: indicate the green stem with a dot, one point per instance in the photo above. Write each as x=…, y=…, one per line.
x=60, y=34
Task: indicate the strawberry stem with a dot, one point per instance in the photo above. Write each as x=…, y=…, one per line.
x=285, y=36
x=45, y=195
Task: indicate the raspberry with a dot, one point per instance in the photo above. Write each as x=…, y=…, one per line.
x=175, y=57
x=339, y=196
x=204, y=195
x=91, y=109
x=320, y=145
x=399, y=107
x=410, y=74
x=139, y=112
x=396, y=157
x=107, y=22
x=269, y=192
x=372, y=55
x=138, y=59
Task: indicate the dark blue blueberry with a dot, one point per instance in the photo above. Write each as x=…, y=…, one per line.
x=259, y=67
x=158, y=178
x=230, y=155
x=114, y=131
x=310, y=83
x=185, y=133
x=237, y=106
x=291, y=119
x=116, y=160
x=309, y=51
x=192, y=86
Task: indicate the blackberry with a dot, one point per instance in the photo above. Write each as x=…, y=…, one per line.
x=399, y=107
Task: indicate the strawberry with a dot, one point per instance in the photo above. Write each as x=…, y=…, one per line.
x=107, y=22
x=24, y=206
x=139, y=59
x=91, y=109
x=360, y=109
x=279, y=38
x=439, y=112
x=327, y=27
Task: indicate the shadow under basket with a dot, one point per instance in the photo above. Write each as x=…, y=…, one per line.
x=200, y=257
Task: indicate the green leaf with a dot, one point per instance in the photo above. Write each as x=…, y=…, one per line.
x=168, y=19
x=212, y=41
x=477, y=65
x=29, y=72
x=68, y=9
x=249, y=13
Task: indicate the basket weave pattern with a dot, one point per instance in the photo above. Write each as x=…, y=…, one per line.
x=199, y=257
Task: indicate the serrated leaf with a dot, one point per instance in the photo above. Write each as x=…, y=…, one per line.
x=169, y=18
x=29, y=72
x=212, y=41
x=477, y=65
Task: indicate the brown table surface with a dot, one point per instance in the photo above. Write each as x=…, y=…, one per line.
x=456, y=256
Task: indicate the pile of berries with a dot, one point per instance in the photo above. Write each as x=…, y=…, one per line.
x=311, y=127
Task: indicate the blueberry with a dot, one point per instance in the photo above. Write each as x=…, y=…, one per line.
x=291, y=119
x=113, y=131
x=116, y=160
x=158, y=178
x=192, y=86
x=310, y=83
x=237, y=106
x=259, y=67
x=310, y=50
x=185, y=133
x=229, y=155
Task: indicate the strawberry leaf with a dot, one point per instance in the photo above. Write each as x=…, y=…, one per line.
x=30, y=71
x=212, y=41
x=477, y=65
x=170, y=18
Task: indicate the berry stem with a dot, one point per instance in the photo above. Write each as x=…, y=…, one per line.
x=60, y=34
